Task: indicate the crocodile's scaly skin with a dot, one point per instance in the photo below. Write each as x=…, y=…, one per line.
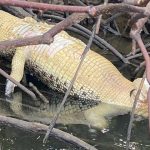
x=55, y=65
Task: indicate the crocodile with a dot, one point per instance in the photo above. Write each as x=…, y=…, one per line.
x=98, y=80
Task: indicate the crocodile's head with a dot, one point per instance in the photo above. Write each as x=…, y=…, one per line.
x=142, y=103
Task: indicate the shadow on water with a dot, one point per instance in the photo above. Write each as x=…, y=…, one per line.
x=112, y=138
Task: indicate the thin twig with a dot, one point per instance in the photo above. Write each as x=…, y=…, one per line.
x=99, y=19
x=66, y=3
x=132, y=112
x=117, y=28
x=42, y=97
x=79, y=2
x=135, y=56
x=3, y=73
x=53, y=121
x=142, y=64
x=98, y=23
x=138, y=50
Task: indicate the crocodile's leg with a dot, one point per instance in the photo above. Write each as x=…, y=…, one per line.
x=98, y=116
x=17, y=71
x=16, y=104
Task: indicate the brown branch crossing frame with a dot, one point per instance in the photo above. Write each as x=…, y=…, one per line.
x=94, y=11
x=47, y=37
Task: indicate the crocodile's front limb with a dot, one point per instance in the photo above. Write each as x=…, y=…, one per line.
x=17, y=71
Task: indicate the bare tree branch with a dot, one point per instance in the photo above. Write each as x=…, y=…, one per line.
x=47, y=37
x=133, y=111
x=94, y=11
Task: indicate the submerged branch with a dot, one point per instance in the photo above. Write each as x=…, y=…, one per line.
x=42, y=97
x=41, y=128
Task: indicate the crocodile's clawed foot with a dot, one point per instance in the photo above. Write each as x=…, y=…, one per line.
x=9, y=89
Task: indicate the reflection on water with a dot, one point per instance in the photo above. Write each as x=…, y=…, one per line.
x=114, y=139
x=109, y=139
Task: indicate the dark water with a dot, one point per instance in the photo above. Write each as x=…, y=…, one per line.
x=113, y=138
